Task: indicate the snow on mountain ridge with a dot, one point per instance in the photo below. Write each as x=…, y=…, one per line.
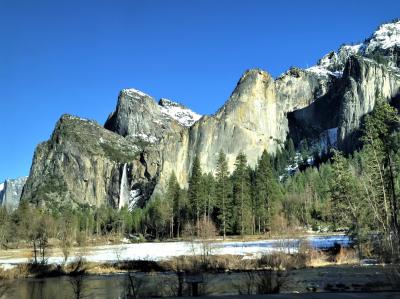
x=132, y=92
x=386, y=36
x=180, y=113
x=321, y=71
x=1, y=187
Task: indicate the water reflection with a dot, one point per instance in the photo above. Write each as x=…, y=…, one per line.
x=315, y=242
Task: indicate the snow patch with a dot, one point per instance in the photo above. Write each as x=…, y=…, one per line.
x=1, y=187
x=6, y=266
x=145, y=137
x=180, y=113
x=352, y=49
x=134, y=92
x=72, y=117
x=167, y=250
x=293, y=166
x=322, y=71
x=125, y=241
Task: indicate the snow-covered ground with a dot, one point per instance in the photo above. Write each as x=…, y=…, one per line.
x=167, y=250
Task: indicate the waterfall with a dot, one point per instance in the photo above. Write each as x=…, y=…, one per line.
x=124, y=190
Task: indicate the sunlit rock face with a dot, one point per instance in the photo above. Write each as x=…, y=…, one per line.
x=130, y=159
x=254, y=117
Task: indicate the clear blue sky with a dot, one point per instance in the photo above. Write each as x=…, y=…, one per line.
x=74, y=56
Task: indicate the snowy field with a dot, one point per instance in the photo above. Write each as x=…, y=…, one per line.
x=167, y=250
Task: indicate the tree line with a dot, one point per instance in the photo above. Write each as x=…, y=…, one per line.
x=355, y=193
x=366, y=186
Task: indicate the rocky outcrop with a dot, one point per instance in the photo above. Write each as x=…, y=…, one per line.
x=144, y=141
x=83, y=163
x=10, y=193
x=364, y=82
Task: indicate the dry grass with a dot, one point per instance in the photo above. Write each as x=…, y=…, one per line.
x=318, y=258
x=346, y=256
x=214, y=264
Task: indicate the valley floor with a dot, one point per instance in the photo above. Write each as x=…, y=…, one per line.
x=107, y=278
x=159, y=251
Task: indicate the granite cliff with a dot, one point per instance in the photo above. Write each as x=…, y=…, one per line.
x=144, y=141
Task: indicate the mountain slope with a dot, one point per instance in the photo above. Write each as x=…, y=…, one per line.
x=143, y=141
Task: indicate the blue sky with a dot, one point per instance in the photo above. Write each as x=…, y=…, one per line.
x=74, y=56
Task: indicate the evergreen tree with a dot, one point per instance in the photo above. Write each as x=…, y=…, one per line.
x=267, y=189
x=349, y=207
x=194, y=191
x=207, y=196
x=222, y=193
x=241, y=195
x=345, y=194
x=156, y=218
x=304, y=150
x=378, y=152
x=253, y=200
x=290, y=148
x=174, y=203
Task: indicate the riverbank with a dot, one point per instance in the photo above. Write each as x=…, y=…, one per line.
x=225, y=268
x=162, y=251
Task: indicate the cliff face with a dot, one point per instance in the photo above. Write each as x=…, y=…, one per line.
x=254, y=117
x=10, y=193
x=364, y=82
x=83, y=163
x=143, y=141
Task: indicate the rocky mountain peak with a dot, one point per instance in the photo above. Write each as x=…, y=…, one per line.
x=251, y=88
x=383, y=45
x=135, y=115
x=178, y=112
x=134, y=93
x=387, y=36
x=332, y=64
x=251, y=78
